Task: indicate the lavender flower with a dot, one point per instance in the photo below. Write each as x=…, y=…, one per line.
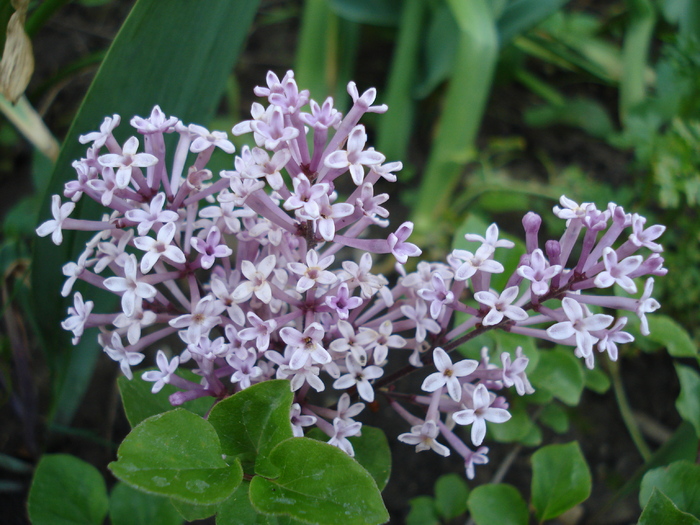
x=246, y=267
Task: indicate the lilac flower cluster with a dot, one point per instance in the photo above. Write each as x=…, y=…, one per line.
x=253, y=272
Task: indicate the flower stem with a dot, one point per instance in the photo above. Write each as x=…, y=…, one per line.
x=626, y=411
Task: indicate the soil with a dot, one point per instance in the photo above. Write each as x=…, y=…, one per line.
x=650, y=381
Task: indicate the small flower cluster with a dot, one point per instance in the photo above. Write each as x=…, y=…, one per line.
x=253, y=272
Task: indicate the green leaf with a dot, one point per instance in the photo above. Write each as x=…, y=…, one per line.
x=181, y=63
x=451, y=493
x=561, y=373
x=67, y=491
x=683, y=445
x=464, y=105
x=440, y=49
x=177, y=454
x=252, y=422
x=192, y=512
x=128, y=506
x=140, y=403
x=371, y=451
x=521, y=15
x=375, y=12
x=517, y=429
x=672, y=336
x=501, y=504
x=680, y=482
x=422, y=512
x=688, y=402
x=560, y=479
x=318, y=483
x=596, y=380
x=586, y=114
x=237, y=510
x=555, y=417
x=660, y=510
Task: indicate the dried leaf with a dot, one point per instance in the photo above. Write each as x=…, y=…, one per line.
x=17, y=63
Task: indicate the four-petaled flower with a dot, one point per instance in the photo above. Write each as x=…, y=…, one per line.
x=580, y=324
x=60, y=213
x=500, y=306
x=448, y=374
x=481, y=412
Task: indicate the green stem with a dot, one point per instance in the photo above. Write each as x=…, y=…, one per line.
x=626, y=411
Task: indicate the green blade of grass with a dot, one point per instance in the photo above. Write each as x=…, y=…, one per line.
x=463, y=109
x=395, y=128
x=640, y=30
x=177, y=54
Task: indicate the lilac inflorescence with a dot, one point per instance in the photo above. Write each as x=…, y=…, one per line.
x=253, y=271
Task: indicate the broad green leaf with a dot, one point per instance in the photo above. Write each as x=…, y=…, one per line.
x=237, y=510
x=451, y=493
x=252, y=422
x=422, y=512
x=139, y=403
x=660, y=510
x=192, y=511
x=517, y=429
x=561, y=373
x=596, y=380
x=374, y=12
x=680, y=482
x=555, y=417
x=176, y=54
x=371, y=451
x=67, y=491
x=499, y=504
x=177, y=454
x=318, y=483
x=560, y=479
x=128, y=506
x=672, y=336
x=683, y=445
x=688, y=402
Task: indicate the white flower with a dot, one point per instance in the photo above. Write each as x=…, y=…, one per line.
x=480, y=414
x=60, y=213
x=423, y=436
x=448, y=374
x=580, y=324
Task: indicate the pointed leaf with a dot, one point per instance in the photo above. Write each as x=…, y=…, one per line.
x=252, y=422
x=680, y=482
x=660, y=510
x=177, y=454
x=318, y=483
x=560, y=479
x=67, y=491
